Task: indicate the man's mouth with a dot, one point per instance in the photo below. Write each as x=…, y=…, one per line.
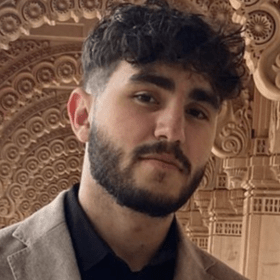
x=166, y=160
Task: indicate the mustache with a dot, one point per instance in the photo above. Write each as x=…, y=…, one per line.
x=160, y=148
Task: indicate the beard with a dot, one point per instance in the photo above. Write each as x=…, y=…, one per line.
x=105, y=168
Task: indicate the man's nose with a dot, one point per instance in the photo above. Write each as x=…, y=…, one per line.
x=170, y=125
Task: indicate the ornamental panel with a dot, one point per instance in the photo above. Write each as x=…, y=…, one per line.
x=39, y=154
x=234, y=127
x=266, y=205
x=228, y=228
x=262, y=20
x=260, y=27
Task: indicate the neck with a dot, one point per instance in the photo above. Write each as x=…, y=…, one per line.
x=134, y=237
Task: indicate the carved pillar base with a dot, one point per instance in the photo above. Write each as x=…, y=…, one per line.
x=260, y=247
x=225, y=229
x=226, y=240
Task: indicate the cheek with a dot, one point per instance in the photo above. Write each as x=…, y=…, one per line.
x=126, y=126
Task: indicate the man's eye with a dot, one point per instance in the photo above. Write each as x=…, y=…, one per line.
x=146, y=98
x=197, y=113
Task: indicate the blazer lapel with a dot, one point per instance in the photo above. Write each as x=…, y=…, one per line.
x=191, y=264
x=48, y=253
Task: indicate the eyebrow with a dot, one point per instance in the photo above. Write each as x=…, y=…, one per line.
x=209, y=97
x=160, y=81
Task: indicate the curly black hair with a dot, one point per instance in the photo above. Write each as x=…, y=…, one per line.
x=149, y=33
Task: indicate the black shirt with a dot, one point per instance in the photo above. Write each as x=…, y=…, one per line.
x=95, y=258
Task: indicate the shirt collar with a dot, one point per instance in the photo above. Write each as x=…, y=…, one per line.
x=90, y=248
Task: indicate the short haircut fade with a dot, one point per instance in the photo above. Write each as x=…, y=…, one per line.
x=155, y=32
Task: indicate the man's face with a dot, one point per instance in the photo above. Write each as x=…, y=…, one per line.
x=151, y=136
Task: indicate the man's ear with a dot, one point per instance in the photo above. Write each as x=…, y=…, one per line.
x=78, y=108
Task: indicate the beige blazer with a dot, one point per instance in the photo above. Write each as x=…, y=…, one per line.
x=40, y=248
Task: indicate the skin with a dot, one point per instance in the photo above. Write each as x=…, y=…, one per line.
x=169, y=104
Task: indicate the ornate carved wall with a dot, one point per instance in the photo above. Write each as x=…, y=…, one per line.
x=239, y=198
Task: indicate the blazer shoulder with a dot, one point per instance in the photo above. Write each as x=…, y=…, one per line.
x=216, y=268
x=221, y=271
x=8, y=244
x=195, y=263
x=15, y=237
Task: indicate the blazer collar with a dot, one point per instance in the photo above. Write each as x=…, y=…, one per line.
x=192, y=263
x=48, y=252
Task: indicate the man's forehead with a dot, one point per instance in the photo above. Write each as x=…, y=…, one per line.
x=170, y=72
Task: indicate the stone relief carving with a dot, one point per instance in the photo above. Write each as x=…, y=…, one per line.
x=17, y=18
x=39, y=154
x=209, y=175
x=38, y=160
x=235, y=124
x=262, y=19
x=22, y=79
x=237, y=177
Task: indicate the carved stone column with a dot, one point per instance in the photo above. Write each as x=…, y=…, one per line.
x=232, y=146
x=225, y=229
x=202, y=199
x=260, y=246
x=220, y=202
x=261, y=221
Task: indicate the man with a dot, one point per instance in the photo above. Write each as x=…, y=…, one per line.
x=154, y=81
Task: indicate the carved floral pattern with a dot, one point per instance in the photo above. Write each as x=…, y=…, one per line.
x=260, y=26
x=34, y=12
x=90, y=5
x=19, y=18
x=27, y=86
x=62, y=6
x=8, y=100
x=45, y=171
x=39, y=154
x=17, y=49
x=233, y=138
x=9, y=24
